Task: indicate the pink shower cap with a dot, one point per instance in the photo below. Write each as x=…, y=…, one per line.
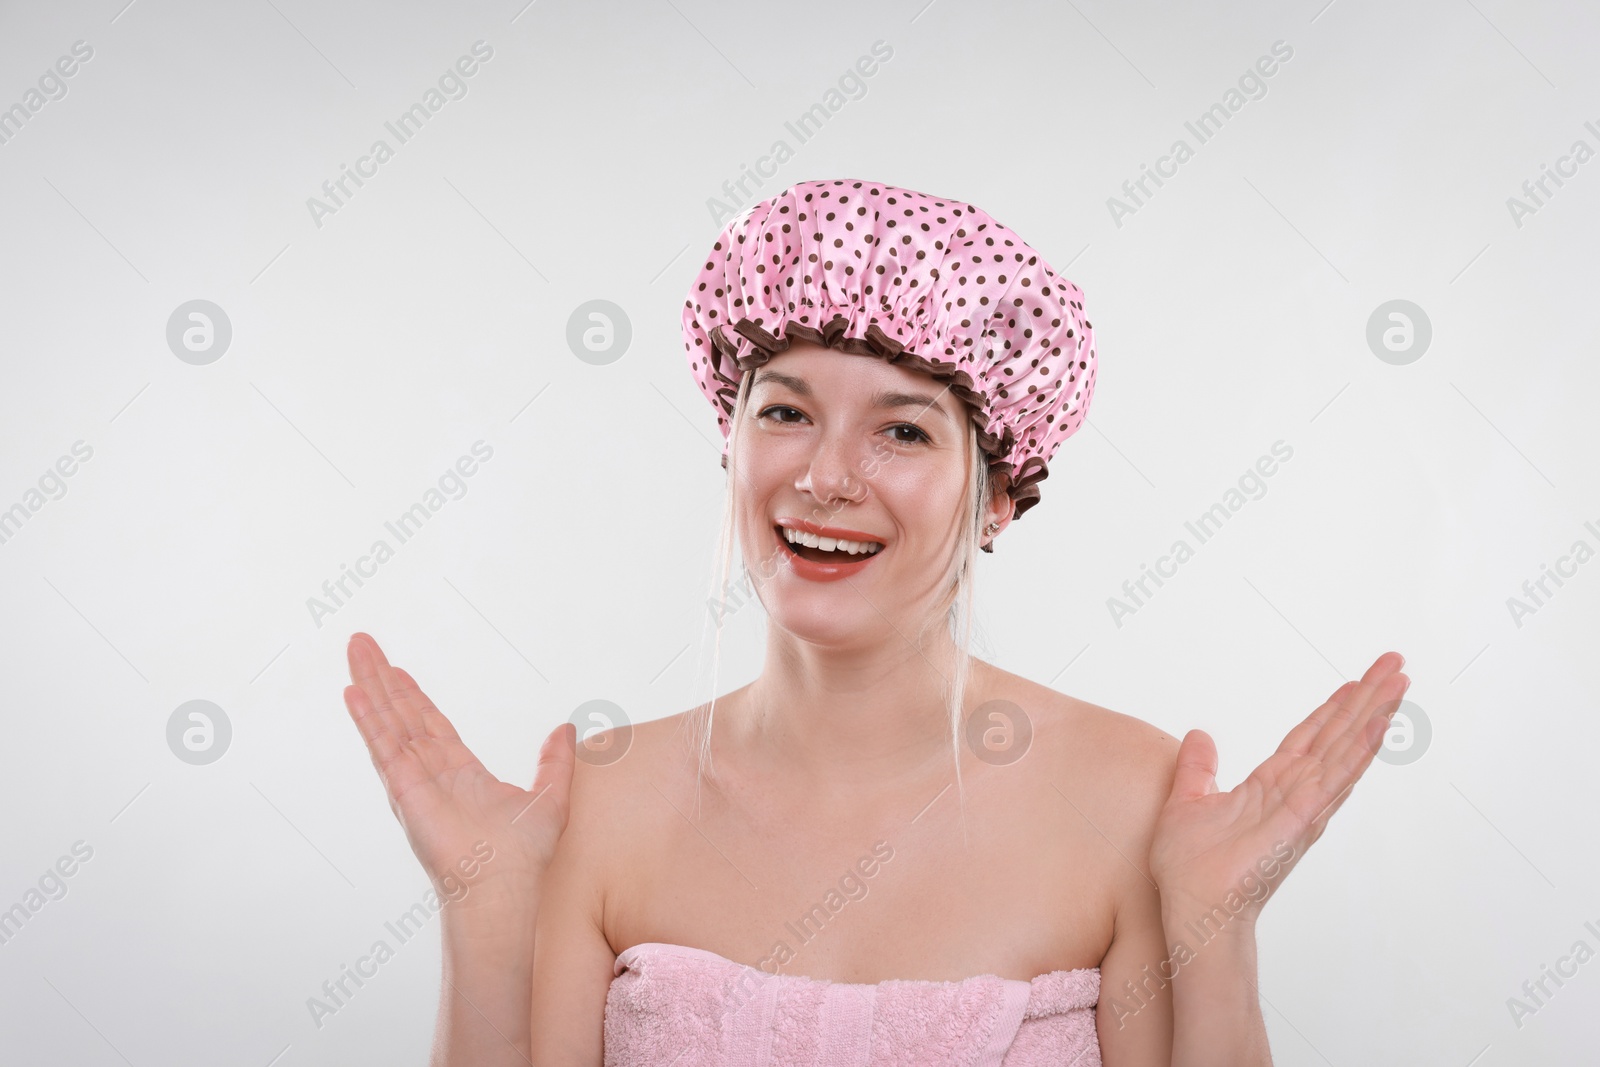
x=925, y=282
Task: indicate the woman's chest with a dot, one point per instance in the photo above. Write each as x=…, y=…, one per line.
x=893, y=889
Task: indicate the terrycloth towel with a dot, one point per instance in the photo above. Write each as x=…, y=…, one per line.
x=675, y=1006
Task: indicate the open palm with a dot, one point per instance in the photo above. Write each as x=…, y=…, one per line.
x=445, y=799
x=1208, y=842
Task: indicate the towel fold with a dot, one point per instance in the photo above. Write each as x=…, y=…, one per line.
x=688, y=1007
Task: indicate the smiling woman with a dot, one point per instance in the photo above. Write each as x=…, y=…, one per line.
x=872, y=429
x=893, y=373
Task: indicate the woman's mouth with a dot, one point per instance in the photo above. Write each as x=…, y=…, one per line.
x=821, y=559
x=820, y=549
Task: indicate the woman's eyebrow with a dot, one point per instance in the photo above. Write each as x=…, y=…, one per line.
x=907, y=400
x=888, y=399
x=799, y=385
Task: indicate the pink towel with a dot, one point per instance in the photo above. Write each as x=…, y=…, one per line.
x=675, y=1006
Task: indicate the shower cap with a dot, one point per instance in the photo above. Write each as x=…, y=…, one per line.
x=926, y=282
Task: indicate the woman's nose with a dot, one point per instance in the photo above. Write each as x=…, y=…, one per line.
x=833, y=473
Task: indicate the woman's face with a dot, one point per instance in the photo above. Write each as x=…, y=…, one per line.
x=835, y=441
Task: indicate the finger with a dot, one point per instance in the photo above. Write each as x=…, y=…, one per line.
x=1196, y=774
x=1319, y=796
x=377, y=730
x=370, y=669
x=1350, y=759
x=408, y=693
x=552, y=778
x=1351, y=714
x=1298, y=741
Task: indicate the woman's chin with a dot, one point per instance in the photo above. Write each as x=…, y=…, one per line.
x=824, y=623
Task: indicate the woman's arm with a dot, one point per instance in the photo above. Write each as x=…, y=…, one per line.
x=1178, y=983
x=1217, y=857
x=483, y=997
x=572, y=967
x=484, y=844
x=1134, y=1019
x=1216, y=1009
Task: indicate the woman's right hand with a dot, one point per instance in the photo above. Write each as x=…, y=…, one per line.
x=447, y=802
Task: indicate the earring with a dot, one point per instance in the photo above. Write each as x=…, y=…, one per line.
x=991, y=528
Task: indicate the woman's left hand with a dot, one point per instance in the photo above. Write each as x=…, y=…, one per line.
x=1208, y=845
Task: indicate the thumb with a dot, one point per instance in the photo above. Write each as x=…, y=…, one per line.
x=552, y=779
x=1197, y=767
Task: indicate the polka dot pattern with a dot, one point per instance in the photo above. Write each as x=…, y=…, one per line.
x=926, y=282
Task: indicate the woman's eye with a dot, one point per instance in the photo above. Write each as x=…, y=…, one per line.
x=780, y=412
x=917, y=430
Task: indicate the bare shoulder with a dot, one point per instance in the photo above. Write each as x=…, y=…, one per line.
x=1116, y=765
x=618, y=782
x=576, y=948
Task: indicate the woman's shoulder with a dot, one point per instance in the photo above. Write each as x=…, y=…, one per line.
x=613, y=804
x=619, y=767
x=1118, y=763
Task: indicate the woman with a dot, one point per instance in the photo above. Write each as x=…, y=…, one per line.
x=786, y=875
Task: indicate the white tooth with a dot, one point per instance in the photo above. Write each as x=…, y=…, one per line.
x=830, y=544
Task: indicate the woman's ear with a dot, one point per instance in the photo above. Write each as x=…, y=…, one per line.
x=998, y=512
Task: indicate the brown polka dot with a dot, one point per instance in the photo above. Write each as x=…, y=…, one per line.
x=929, y=265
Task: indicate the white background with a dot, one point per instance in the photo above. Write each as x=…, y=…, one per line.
x=431, y=312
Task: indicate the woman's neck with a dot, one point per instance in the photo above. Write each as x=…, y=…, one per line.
x=844, y=719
